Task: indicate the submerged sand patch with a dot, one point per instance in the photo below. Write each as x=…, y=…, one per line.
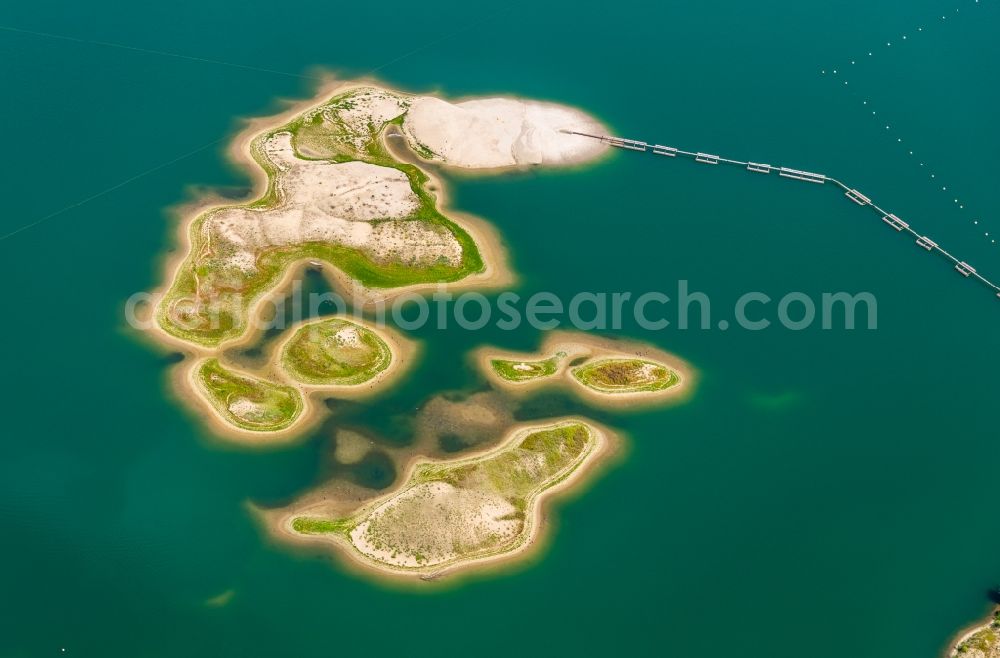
x=351, y=447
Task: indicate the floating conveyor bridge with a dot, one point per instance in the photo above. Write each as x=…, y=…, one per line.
x=923, y=241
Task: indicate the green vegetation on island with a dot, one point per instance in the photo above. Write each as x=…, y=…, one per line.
x=452, y=512
x=314, y=526
x=522, y=371
x=335, y=352
x=379, y=225
x=247, y=402
x=603, y=372
x=983, y=643
x=618, y=375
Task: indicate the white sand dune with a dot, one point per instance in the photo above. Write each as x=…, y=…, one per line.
x=501, y=132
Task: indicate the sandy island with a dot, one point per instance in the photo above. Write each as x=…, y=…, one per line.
x=563, y=361
x=225, y=409
x=332, y=192
x=329, y=193
x=481, y=510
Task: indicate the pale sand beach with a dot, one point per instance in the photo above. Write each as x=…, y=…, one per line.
x=968, y=633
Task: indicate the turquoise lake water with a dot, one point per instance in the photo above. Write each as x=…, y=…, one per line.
x=824, y=494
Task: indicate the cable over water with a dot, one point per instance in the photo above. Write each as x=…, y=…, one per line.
x=851, y=193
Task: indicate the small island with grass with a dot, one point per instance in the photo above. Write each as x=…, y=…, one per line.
x=525, y=371
x=606, y=372
x=335, y=352
x=247, y=402
x=450, y=514
x=333, y=190
x=620, y=375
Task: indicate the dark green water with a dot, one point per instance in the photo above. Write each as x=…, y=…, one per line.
x=825, y=494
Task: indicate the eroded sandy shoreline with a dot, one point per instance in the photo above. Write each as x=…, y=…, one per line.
x=404, y=354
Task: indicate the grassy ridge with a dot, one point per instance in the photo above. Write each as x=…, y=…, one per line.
x=313, y=526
